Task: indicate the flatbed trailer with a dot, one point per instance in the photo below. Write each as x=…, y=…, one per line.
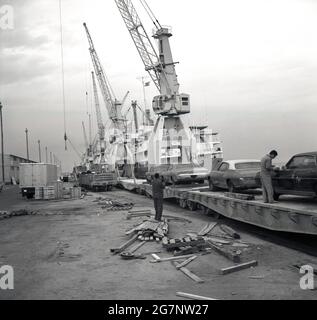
x=291, y=214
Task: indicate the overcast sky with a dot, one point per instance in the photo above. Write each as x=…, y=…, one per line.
x=250, y=67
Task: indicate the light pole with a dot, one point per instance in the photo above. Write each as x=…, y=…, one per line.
x=40, y=154
x=27, y=144
x=2, y=143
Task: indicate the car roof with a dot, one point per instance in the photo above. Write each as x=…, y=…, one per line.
x=307, y=154
x=233, y=162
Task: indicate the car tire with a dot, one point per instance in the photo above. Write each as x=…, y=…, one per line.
x=212, y=187
x=276, y=196
x=231, y=187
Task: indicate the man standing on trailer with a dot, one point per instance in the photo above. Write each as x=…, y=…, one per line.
x=158, y=187
x=266, y=176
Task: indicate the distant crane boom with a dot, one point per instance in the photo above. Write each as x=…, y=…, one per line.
x=85, y=136
x=101, y=127
x=113, y=107
x=141, y=40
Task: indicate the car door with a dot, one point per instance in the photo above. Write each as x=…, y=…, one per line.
x=220, y=180
x=285, y=178
x=306, y=174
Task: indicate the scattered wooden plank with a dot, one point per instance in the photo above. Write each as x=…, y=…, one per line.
x=193, y=296
x=186, y=262
x=208, y=228
x=232, y=233
x=131, y=231
x=125, y=245
x=218, y=240
x=239, y=267
x=227, y=254
x=189, y=274
x=137, y=247
x=158, y=259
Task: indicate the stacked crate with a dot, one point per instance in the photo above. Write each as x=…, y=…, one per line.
x=49, y=193
x=59, y=194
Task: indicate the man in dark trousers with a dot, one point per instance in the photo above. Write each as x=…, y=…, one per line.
x=266, y=176
x=158, y=187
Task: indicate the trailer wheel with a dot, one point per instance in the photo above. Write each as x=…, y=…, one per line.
x=109, y=188
x=192, y=206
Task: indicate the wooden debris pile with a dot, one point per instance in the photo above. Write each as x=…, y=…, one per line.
x=184, y=246
x=150, y=230
x=213, y=237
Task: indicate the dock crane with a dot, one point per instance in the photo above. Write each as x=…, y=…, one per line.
x=101, y=126
x=171, y=141
x=118, y=151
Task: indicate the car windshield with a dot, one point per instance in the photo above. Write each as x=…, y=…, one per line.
x=302, y=162
x=248, y=165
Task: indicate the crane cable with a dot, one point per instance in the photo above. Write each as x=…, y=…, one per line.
x=151, y=14
x=74, y=148
x=63, y=72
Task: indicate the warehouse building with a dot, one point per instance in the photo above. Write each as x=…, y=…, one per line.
x=11, y=167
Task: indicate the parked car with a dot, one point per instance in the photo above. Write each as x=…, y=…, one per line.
x=179, y=173
x=235, y=175
x=298, y=177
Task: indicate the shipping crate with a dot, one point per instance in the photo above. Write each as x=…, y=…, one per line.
x=49, y=193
